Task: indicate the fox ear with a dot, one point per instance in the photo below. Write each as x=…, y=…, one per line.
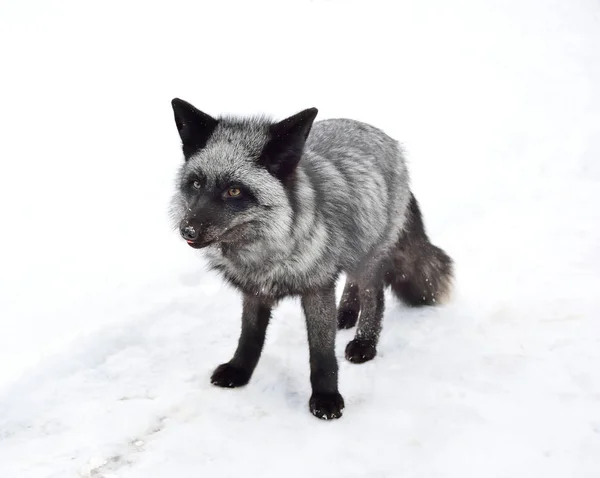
x=283, y=151
x=194, y=126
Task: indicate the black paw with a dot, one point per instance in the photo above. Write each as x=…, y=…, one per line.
x=326, y=405
x=360, y=350
x=227, y=375
x=346, y=318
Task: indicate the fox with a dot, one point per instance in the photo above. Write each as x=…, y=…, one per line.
x=283, y=209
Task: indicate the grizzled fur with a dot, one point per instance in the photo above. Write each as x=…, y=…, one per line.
x=283, y=208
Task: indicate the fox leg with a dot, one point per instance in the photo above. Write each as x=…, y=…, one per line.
x=255, y=319
x=319, y=309
x=349, y=307
x=370, y=280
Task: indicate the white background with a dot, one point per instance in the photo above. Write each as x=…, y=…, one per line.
x=110, y=326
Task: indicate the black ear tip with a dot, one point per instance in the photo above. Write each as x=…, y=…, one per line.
x=312, y=113
x=177, y=103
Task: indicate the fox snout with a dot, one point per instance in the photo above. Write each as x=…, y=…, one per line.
x=198, y=234
x=189, y=233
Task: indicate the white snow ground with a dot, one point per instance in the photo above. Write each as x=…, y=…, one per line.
x=111, y=327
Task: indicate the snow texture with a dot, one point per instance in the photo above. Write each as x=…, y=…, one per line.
x=111, y=326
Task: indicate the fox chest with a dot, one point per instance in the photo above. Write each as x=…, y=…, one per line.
x=273, y=281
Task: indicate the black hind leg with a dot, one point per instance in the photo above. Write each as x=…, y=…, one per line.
x=419, y=273
x=349, y=307
x=364, y=345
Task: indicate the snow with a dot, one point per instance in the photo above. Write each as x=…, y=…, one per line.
x=111, y=326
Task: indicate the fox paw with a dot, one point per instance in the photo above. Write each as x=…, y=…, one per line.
x=361, y=350
x=230, y=376
x=326, y=405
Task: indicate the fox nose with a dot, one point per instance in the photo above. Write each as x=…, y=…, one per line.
x=189, y=233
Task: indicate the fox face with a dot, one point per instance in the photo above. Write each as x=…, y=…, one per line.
x=232, y=186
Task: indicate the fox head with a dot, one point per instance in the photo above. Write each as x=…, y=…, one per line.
x=233, y=185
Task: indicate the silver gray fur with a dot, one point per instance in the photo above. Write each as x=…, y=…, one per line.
x=351, y=196
x=347, y=207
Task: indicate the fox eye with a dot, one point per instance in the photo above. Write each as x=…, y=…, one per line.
x=196, y=184
x=234, y=192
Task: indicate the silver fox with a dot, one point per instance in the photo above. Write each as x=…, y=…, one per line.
x=282, y=209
